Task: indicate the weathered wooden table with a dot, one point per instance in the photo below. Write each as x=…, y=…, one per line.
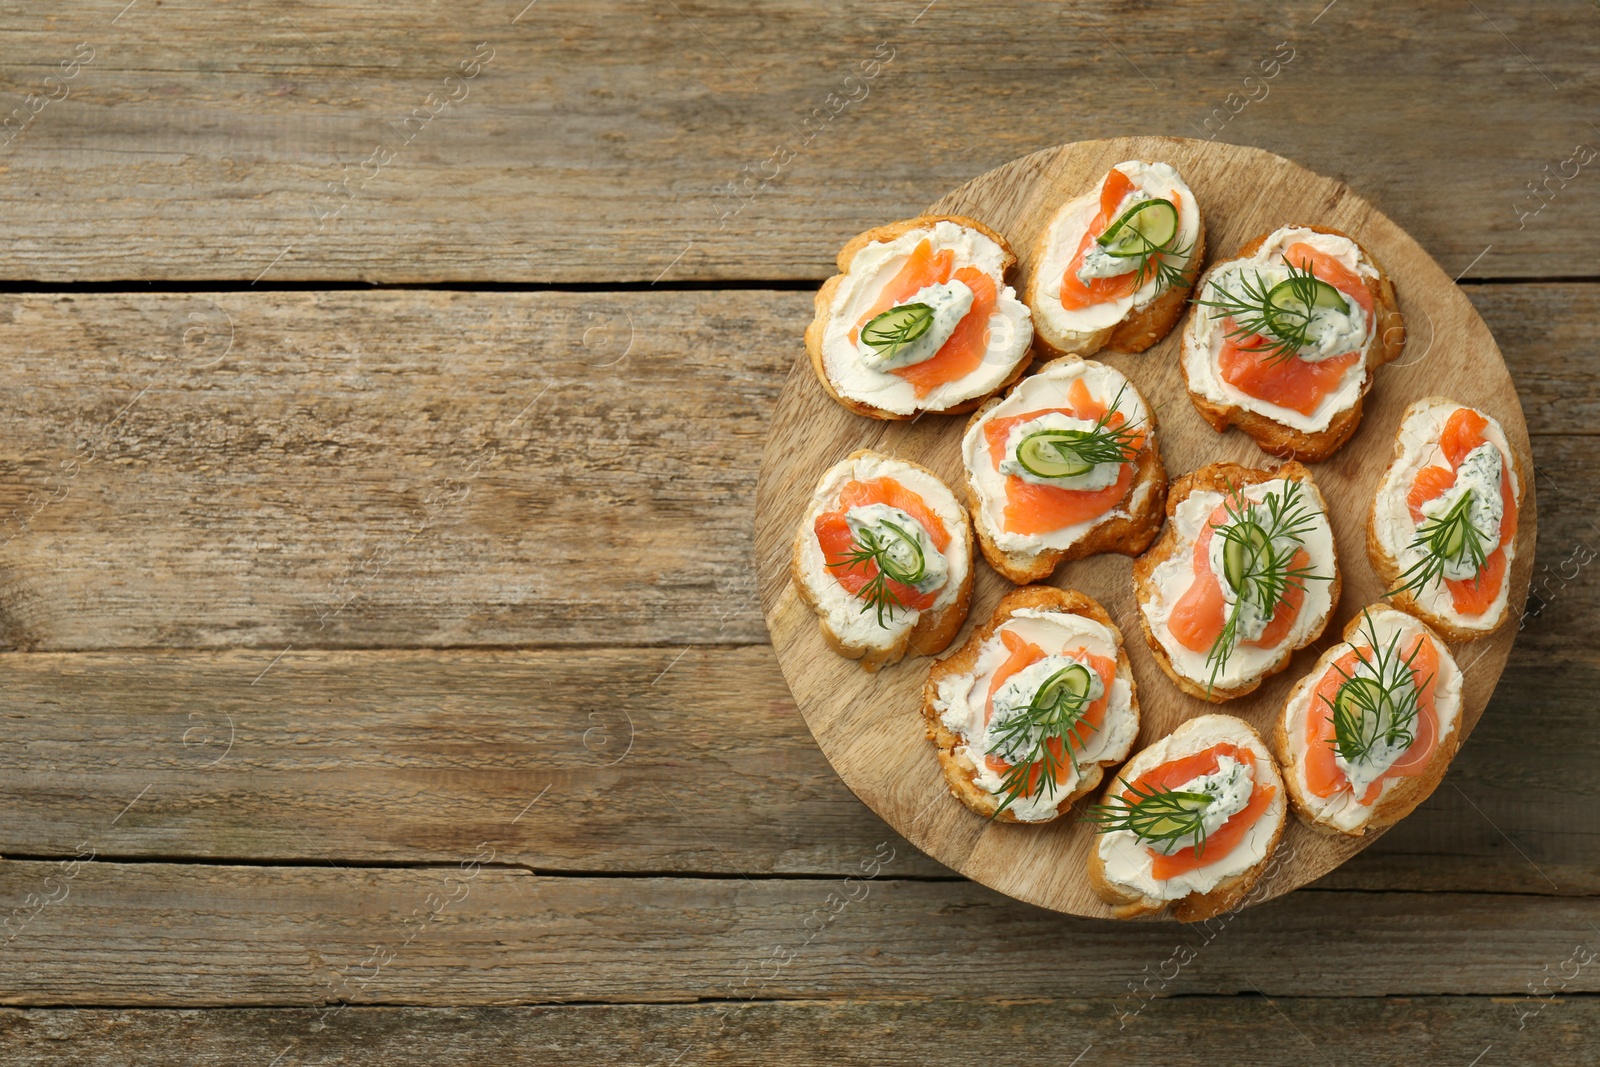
x=383, y=675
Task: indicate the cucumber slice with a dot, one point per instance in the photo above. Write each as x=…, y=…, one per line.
x=1166, y=826
x=1053, y=454
x=1243, y=549
x=1361, y=694
x=1291, y=303
x=1144, y=227
x=1069, y=685
x=902, y=558
x=895, y=329
x=1453, y=542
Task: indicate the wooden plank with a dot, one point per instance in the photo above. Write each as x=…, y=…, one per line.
x=1246, y=1031
x=269, y=470
x=322, y=140
x=181, y=935
x=616, y=760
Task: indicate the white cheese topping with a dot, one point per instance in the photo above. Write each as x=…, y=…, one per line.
x=1066, y=232
x=1418, y=445
x=843, y=610
x=1010, y=325
x=1097, y=477
x=1128, y=860
x=1173, y=577
x=961, y=698
x=1479, y=474
x=891, y=527
x=1337, y=333
x=949, y=301
x=1042, y=391
x=1229, y=788
x=1344, y=808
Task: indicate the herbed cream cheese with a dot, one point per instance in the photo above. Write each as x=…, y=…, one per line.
x=1344, y=809
x=1010, y=324
x=960, y=702
x=1128, y=860
x=1205, y=331
x=948, y=301
x=1174, y=575
x=1392, y=524
x=1150, y=180
x=842, y=609
x=1048, y=389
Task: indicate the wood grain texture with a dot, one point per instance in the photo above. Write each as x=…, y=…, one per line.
x=184, y=935
x=699, y=764
x=867, y=725
x=271, y=472
x=1248, y=1031
x=720, y=140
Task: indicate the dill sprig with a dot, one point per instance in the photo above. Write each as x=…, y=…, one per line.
x=1156, y=815
x=1450, y=538
x=868, y=545
x=1268, y=572
x=1284, y=328
x=1383, y=706
x=1056, y=713
x=1101, y=443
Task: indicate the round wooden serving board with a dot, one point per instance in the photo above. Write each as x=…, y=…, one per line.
x=870, y=726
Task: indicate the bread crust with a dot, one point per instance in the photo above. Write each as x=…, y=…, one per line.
x=959, y=773
x=1272, y=436
x=1137, y=331
x=1407, y=793
x=1216, y=477
x=934, y=630
x=1388, y=567
x=822, y=314
x=1128, y=903
x=1128, y=535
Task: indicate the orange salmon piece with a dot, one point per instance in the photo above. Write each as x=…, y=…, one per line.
x=967, y=345
x=1291, y=383
x=1463, y=431
x=1025, y=654
x=921, y=269
x=1075, y=294
x=833, y=535
x=1323, y=776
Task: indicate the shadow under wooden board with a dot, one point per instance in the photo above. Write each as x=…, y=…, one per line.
x=870, y=726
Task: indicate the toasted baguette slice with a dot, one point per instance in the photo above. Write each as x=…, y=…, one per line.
x=957, y=690
x=1127, y=527
x=1120, y=863
x=1132, y=323
x=867, y=264
x=1391, y=529
x=1162, y=575
x=1371, y=632
x=856, y=633
x=1278, y=430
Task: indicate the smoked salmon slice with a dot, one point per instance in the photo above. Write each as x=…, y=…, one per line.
x=1246, y=363
x=1463, y=431
x=1323, y=776
x=1077, y=294
x=1037, y=509
x=963, y=352
x=1201, y=613
x=833, y=535
x=1225, y=838
x=1025, y=654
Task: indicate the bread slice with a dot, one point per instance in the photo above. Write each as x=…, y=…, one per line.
x=1143, y=324
x=1131, y=529
x=1130, y=901
x=960, y=772
x=816, y=332
x=1217, y=478
x=1400, y=799
x=1417, y=424
x=838, y=613
x=1274, y=437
